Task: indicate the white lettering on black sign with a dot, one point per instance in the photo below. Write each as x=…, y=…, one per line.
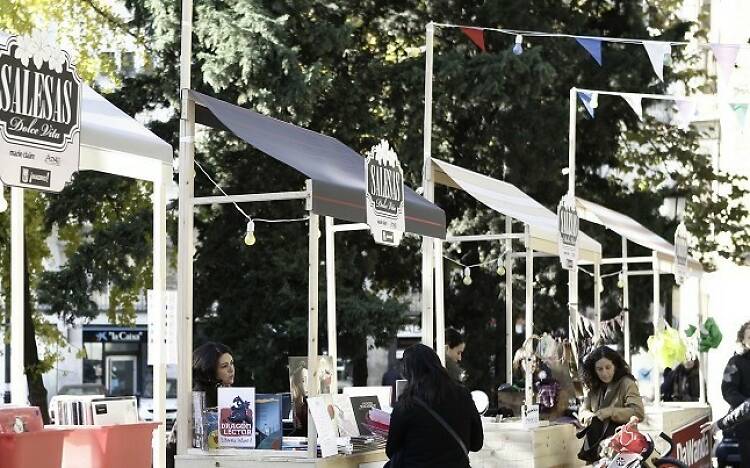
x=40, y=98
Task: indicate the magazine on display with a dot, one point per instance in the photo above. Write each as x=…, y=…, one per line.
x=299, y=383
x=362, y=406
x=268, y=428
x=236, y=417
x=324, y=417
x=344, y=414
x=382, y=393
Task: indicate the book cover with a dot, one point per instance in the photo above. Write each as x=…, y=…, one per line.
x=383, y=394
x=299, y=384
x=268, y=429
x=361, y=405
x=324, y=417
x=236, y=417
x=344, y=413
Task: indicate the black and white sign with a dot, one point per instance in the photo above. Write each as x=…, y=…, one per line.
x=567, y=228
x=680, y=254
x=384, y=194
x=40, y=114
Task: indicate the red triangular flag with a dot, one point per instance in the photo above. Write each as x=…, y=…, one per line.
x=476, y=35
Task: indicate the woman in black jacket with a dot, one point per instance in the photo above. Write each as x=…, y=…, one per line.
x=739, y=415
x=434, y=423
x=735, y=388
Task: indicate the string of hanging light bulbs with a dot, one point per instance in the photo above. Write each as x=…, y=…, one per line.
x=249, y=237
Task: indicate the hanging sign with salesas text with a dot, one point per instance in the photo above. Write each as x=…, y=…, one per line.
x=40, y=114
x=567, y=227
x=384, y=194
x=680, y=254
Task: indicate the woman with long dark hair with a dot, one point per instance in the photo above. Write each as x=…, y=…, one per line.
x=612, y=399
x=434, y=423
x=213, y=367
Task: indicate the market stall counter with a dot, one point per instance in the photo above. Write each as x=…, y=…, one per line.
x=229, y=458
x=513, y=445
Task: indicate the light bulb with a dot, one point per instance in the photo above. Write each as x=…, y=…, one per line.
x=467, y=276
x=250, y=233
x=518, y=46
x=620, y=281
x=667, y=59
x=599, y=286
x=500, y=267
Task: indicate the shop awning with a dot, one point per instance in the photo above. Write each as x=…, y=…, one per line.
x=632, y=230
x=509, y=200
x=337, y=172
x=115, y=143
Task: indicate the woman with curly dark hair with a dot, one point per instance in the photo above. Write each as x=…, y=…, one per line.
x=612, y=399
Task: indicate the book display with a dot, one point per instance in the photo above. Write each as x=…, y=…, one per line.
x=236, y=417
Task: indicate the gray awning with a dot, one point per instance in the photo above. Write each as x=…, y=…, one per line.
x=337, y=172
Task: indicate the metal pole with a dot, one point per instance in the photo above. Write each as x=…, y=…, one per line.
x=703, y=357
x=656, y=372
x=439, y=302
x=331, y=299
x=159, y=204
x=625, y=301
x=18, y=387
x=508, y=302
x=528, y=387
x=185, y=237
x=312, y=327
x=598, y=300
x=428, y=184
x=573, y=273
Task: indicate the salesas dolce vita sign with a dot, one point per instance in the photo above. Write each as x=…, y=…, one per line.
x=567, y=232
x=384, y=194
x=40, y=114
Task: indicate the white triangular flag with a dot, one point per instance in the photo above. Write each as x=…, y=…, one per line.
x=726, y=57
x=635, y=102
x=657, y=51
x=686, y=111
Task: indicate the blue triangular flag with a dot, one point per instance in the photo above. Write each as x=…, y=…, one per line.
x=587, y=98
x=593, y=46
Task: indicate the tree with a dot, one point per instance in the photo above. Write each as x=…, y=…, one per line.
x=78, y=24
x=356, y=72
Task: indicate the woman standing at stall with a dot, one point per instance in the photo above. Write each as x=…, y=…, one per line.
x=735, y=388
x=612, y=399
x=434, y=423
x=454, y=352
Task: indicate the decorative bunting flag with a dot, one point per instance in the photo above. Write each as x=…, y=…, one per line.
x=476, y=35
x=740, y=111
x=686, y=111
x=635, y=102
x=657, y=51
x=726, y=56
x=589, y=101
x=593, y=47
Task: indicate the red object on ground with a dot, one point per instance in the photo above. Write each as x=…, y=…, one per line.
x=117, y=446
x=39, y=449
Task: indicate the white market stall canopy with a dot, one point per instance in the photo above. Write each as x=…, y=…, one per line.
x=633, y=231
x=509, y=200
x=115, y=143
x=337, y=172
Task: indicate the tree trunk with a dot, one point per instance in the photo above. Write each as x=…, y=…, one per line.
x=359, y=366
x=37, y=392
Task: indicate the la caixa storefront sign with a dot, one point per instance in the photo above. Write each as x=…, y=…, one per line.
x=40, y=114
x=114, y=335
